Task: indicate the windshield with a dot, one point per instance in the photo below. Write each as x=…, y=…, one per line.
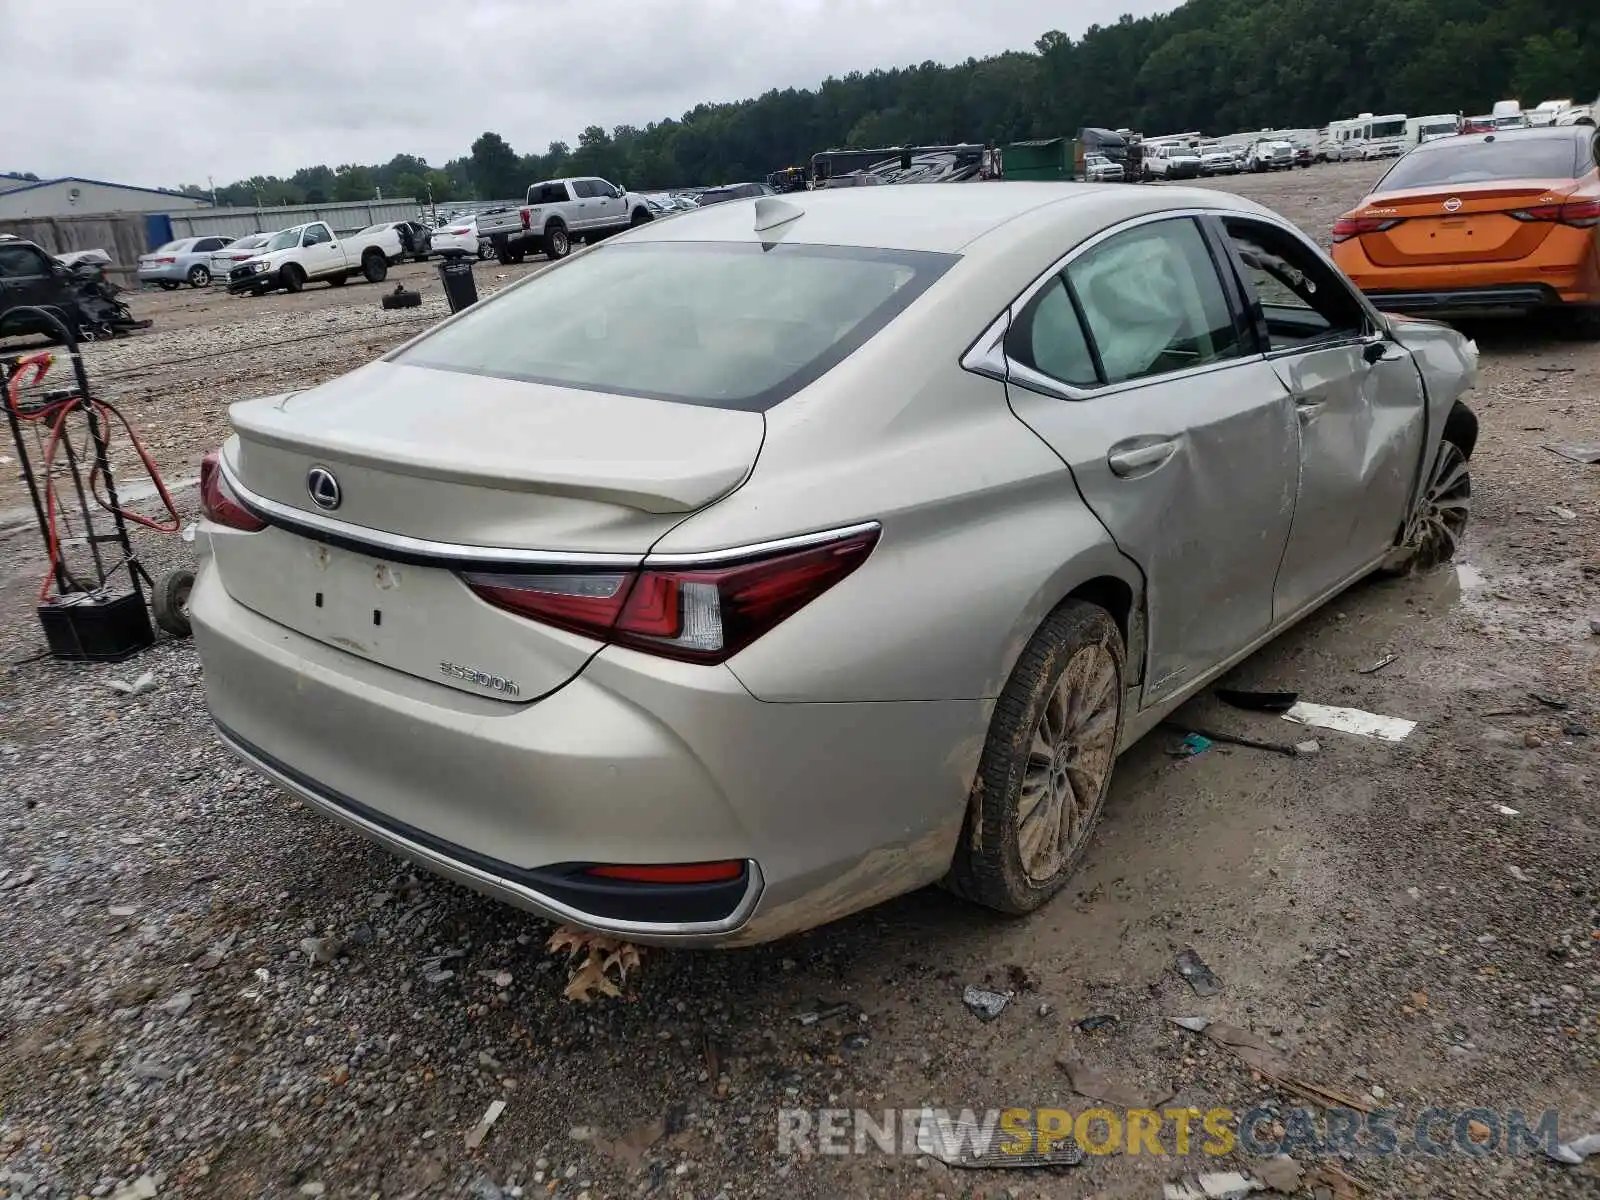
x=723, y=324
x=1387, y=129
x=1477, y=160
x=251, y=242
x=1439, y=127
x=286, y=240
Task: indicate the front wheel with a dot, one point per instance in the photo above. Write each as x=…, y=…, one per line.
x=1046, y=765
x=557, y=245
x=640, y=217
x=293, y=278
x=1435, y=530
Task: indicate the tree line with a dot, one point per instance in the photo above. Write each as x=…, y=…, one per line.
x=1214, y=65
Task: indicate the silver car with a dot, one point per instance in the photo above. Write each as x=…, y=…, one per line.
x=757, y=566
x=187, y=260
x=243, y=250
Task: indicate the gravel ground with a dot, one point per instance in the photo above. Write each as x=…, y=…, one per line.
x=206, y=990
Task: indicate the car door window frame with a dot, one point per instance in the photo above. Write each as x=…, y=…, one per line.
x=1373, y=328
x=987, y=355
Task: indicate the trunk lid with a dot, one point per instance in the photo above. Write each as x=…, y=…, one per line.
x=427, y=460
x=1439, y=225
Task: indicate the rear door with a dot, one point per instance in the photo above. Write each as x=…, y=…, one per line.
x=1179, y=435
x=1358, y=402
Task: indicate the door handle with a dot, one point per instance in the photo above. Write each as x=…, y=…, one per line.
x=1140, y=458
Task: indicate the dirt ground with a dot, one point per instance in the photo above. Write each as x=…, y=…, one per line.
x=1410, y=926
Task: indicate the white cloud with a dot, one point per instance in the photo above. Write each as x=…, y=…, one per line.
x=172, y=91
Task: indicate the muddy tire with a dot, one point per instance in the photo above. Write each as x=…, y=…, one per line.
x=170, y=602
x=1433, y=534
x=374, y=267
x=557, y=244
x=1046, y=765
x=293, y=278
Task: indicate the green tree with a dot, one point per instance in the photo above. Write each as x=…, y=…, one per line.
x=494, y=168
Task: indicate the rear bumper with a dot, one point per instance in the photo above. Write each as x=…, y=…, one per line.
x=173, y=273
x=832, y=807
x=1477, y=301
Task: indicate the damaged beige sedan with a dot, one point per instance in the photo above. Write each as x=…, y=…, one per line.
x=756, y=566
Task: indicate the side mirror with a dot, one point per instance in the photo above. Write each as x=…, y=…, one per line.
x=618, y=191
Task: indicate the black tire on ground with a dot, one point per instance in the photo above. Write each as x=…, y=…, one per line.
x=170, y=602
x=168, y=285
x=338, y=280
x=199, y=276
x=1584, y=323
x=557, y=244
x=402, y=299
x=1072, y=668
x=640, y=217
x=374, y=267
x=1433, y=534
x=502, y=253
x=293, y=277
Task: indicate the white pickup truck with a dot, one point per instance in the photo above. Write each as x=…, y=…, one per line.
x=559, y=210
x=309, y=253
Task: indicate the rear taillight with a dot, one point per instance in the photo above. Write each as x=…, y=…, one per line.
x=1582, y=214
x=164, y=260
x=218, y=502
x=701, y=614
x=1346, y=228
x=527, y=220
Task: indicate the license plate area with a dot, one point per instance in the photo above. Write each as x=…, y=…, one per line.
x=420, y=620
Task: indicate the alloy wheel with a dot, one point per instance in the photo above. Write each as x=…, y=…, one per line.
x=1446, y=504
x=1069, y=757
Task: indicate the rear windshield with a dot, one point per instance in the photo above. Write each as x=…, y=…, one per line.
x=720, y=324
x=179, y=245
x=1476, y=160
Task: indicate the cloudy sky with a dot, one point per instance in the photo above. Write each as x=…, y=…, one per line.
x=166, y=92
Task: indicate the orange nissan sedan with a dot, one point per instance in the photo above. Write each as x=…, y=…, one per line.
x=1482, y=224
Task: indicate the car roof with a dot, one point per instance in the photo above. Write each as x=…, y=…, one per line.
x=938, y=217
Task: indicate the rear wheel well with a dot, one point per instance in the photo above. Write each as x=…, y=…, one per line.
x=1109, y=593
x=554, y=223
x=1461, y=428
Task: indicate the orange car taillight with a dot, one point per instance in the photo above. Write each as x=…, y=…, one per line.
x=1346, y=228
x=218, y=502
x=697, y=614
x=1582, y=214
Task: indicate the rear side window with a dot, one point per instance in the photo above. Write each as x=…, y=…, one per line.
x=1049, y=338
x=1474, y=159
x=720, y=324
x=1154, y=302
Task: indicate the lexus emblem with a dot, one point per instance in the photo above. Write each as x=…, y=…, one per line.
x=324, y=488
x=1453, y=204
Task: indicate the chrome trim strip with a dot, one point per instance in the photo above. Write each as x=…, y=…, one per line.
x=417, y=548
x=799, y=541
x=554, y=909
x=453, y=554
